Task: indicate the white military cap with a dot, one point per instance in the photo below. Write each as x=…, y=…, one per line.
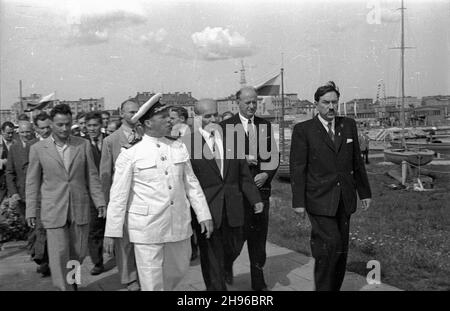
x=151, y=107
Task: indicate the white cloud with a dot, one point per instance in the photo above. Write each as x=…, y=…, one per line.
x=95, y=21
x=154, y=37
x=219, y=43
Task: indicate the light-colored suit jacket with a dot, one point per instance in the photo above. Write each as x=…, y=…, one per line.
x=112, y=145
x=48, y=181
x=153, y=189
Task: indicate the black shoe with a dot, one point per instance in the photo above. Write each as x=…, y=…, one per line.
x=194, y=256
x=228, y=276
x=45, y=270
x=75, y=287
x=97, y=269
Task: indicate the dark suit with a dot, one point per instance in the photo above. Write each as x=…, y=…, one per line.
x=256, y=225
x=16, y=172
x=225, y=196
x=3, y=155
x=325, y=177
x=96, y=225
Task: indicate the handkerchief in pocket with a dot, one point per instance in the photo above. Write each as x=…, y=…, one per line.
x=349, y=140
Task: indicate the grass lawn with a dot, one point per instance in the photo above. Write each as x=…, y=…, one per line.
x=407, y=232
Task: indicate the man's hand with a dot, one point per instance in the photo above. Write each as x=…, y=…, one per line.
x=31, y=222
x=261, y=179
x=251, y=160
x=300, y=211
x=108, y=245
x=365, y=204
x=207, y=226
x=258, y=207
x=15, y=198
x=101, y=212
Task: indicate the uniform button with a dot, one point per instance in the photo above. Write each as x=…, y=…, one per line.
x=163, y=158
x=338, y=183
x=166, y=172
x=171, y=202
x=170, y=187
x=158, y=145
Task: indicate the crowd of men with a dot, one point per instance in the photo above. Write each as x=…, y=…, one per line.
x=156, y=192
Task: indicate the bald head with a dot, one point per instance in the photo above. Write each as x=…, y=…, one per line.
x=207, y=109
x=247, y=100
x=26, y=131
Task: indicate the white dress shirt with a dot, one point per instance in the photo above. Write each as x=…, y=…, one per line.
x=214, y=141
x=325, y=124
x=244, y=121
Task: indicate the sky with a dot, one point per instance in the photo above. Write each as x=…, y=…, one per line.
x=114, y=49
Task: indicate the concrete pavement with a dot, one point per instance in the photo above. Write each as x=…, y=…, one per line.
x=285, y=270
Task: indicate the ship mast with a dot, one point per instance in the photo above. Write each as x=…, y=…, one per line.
x=402, y=48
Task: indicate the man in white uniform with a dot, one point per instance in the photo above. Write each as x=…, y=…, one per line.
x=152, y=190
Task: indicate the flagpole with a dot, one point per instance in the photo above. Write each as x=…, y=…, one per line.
x=282, y=113
x=20, y=96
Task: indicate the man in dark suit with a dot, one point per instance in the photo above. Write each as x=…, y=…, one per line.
x=17, y=164
x=326, y=172
x=255, y=134
x=16, y=170
x=225, y=182
x=6, y=141
x=97, y=224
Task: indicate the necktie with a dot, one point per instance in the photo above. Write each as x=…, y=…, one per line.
x=216, y=152
x=330, y=131
x=252, y=141
x=133, y=137
x=95, y=143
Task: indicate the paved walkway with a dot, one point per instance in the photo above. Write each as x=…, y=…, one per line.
x=285, y=270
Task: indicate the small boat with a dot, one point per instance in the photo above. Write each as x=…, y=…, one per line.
x=414, y=157
x=437, y=147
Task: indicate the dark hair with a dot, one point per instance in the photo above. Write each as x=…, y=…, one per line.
x=23, y=117
x=40, y=117
x=157, y=108
x=329, y=87
x=106, y=112
x=133, y=100
x=94, y=115
x=7, y=124
x=118, y=123
x=81, y=115
x=60, y=109
x=181, y=111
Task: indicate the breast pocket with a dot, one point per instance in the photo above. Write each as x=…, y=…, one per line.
x=146, y=170
x=178, y=165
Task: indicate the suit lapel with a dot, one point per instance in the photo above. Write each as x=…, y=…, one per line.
x=123, y=139
x=323, y=133
x=338, y=130
x=209, y=157
x=75, y=147
x=51, y=150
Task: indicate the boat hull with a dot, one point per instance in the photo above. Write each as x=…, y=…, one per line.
x=417, y=158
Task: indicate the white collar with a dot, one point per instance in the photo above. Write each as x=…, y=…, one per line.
x=244, y=120
x=325, y=122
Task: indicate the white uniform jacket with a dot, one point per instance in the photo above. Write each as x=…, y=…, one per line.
x=154, y=185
